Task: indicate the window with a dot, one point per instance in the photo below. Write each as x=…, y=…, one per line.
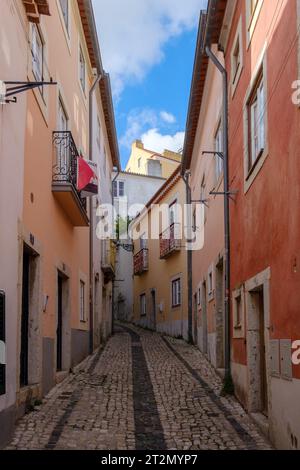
x=172, y=213
x=253, y=8
x=98, y=138
x=199, y=296
x=237, y=57
x=64, y=5
x=219, y=148
x=37, y=54
x=238, y=313
x=238, y=317
x=253, y=5
x=139, y=163
x=82, y=69
x=256, y=122
x=143, y=242
x=82, y=301
x=210, y=283
x=154, y=168
x=176, y=293
x=119, y=188
x=62, y=117
x=104, y=163
x=143, y=305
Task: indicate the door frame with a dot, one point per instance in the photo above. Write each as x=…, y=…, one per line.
x=261, y=282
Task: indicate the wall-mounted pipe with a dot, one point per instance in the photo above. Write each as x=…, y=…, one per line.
x=186, y=177
x=91, y=214
x=223, y=71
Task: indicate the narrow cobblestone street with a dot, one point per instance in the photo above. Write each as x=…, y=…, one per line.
x=143, y=391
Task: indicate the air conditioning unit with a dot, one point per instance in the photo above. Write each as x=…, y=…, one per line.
x=2, y=92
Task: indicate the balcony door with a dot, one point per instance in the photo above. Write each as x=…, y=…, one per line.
x=63, y=127
x=173, y=213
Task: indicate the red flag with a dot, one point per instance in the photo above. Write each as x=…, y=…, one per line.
x=85, y=174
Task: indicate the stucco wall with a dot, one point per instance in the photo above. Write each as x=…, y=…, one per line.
x=12, y=133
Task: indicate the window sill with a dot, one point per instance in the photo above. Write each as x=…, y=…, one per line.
x=255, y=170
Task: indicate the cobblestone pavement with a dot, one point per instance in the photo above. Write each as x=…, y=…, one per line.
x=143, y=391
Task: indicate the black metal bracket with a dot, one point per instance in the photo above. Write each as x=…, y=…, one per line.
x=229, y=194
x=20, y=87
x=219, y=154
x=201, y=201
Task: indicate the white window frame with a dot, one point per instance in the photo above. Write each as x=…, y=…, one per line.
x=252, y=18
x=199, y=296
x=38, y=58
x=219, y=166
x=251, y=171
x=82, y=69
x=257, y=125
x=98, y=137
x=143, y=242
x=238, y=301
x=82, y=301
x=237, y=68
x=117, y=184
x=176, y=293
x=143, y=305
x=66, y=19
x=173, y=212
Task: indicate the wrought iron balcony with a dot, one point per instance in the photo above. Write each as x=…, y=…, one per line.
x=108, y=260
x=170, y=240
x=140, y=262
x=65, y=178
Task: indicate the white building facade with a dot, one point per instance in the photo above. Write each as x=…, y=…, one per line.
x=131, y=191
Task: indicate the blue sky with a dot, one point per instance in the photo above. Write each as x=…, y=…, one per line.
x=148, y=48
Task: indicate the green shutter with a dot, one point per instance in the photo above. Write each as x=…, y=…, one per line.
x=2, y=338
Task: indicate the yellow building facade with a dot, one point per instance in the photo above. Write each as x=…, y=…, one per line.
x=160, y=260
x=146, y=162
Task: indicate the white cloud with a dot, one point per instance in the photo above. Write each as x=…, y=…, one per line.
x=133, y=33
x=137, y=122
x=154, y=140
x=167, y=117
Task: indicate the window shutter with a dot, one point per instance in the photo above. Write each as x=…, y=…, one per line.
x=2, y=340
x=261, y=117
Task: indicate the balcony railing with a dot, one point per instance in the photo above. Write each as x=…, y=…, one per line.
x=64, y=179
x=140, y=262
x=170, y=240
x=108, y=260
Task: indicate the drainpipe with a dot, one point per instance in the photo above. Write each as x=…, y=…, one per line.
x=113, y=282
x=189, y=260
x=217, y=63
x=91, y=240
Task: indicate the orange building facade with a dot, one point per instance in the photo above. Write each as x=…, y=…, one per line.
x=258, y=45
x=62, y=290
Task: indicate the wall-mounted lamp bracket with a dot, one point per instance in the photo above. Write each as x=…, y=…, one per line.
x=219, y=154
